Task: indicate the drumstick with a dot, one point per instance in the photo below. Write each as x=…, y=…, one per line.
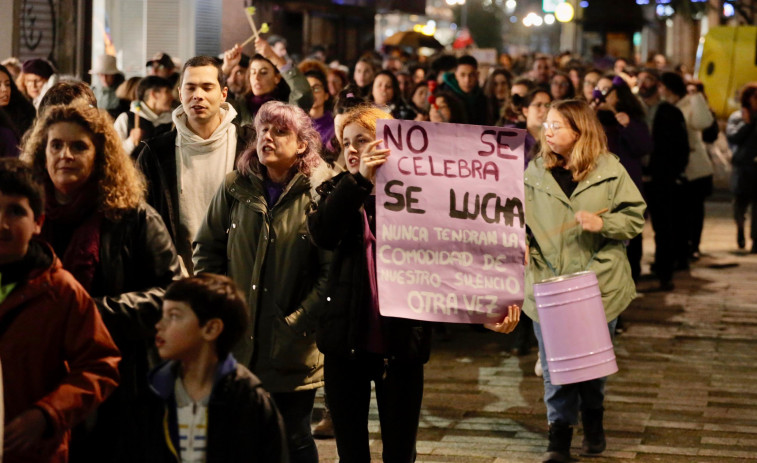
x=249, y=11
x=243, y=44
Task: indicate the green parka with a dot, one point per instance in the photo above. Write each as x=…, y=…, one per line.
x=557, y=248
x=269, y=255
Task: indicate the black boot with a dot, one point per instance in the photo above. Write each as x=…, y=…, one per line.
x=740, y=238
x=558, y=450
x=594, y=441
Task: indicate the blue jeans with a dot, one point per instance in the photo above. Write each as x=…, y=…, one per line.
x=564, y=402
x=296, y=409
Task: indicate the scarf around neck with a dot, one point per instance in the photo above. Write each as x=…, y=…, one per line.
x=74, y=231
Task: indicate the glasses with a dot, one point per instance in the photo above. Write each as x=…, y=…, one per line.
x=551, y=125
x=561, y=84
x=539, y=105
x=316, y=88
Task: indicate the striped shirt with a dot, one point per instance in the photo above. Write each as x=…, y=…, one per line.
x=193, y=425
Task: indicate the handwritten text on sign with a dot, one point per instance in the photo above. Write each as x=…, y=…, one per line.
x=450, y=221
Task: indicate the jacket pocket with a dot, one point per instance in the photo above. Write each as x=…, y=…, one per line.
x=291, y=351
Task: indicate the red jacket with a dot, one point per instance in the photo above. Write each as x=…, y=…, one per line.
x=57, y=355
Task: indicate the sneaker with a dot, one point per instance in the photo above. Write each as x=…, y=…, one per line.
x=325, y=428
x=537, y=368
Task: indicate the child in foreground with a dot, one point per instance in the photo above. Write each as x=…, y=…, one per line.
x=209, y=407
x=59, y=361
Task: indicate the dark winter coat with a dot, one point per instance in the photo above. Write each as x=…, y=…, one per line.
x=243, y=422
x=670, y=141
x=268, y=253
x=337, y=223
x=137, y=262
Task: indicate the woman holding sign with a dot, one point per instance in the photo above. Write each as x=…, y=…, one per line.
x=569, y=184
x=361, y=346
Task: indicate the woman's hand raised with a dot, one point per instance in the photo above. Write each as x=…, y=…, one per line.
x=371, y=158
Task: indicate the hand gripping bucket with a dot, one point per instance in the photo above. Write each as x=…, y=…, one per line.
x=574, y=328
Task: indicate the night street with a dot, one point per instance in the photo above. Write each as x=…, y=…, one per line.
x=684, y=393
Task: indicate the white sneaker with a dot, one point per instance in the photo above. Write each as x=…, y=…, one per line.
x=537, y=368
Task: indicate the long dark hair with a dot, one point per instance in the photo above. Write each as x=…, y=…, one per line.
x=627, y=101
x=19, y=110
x=396, y=93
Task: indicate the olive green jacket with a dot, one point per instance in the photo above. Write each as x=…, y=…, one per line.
x=558, y=246
x=269, y=255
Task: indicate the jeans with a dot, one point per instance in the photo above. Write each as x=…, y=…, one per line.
x=399, y=393
x=564, y=402
x=296, y=409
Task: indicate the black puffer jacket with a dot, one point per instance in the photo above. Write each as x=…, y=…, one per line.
x=337, y=223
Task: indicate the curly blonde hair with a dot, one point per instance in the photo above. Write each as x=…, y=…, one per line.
x=591, y=141
x=121, y=187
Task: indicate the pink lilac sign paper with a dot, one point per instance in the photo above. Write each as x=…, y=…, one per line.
x=450, y=224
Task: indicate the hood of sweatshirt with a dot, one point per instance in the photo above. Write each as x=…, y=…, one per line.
x=191, y=141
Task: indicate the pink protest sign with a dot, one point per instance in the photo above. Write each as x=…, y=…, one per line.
x=450, y=223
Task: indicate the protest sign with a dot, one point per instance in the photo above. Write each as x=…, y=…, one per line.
x=450, y=221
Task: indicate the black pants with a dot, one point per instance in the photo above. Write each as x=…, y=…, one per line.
x=744, y=195
x=668, y=234
x=296, y=409
x=399, y=392
x=694, y=194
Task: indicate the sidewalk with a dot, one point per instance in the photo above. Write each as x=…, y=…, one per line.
x=686, y=390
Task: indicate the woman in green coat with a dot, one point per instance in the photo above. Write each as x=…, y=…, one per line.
x=571, y=181
x=255, y=232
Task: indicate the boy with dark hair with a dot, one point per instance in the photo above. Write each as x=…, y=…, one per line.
x=59, y=361
x=463, y=82
x=212, y=408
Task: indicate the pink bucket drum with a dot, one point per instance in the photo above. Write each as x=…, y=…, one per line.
x=574, y=328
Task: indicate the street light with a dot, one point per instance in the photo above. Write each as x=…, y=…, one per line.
x=564, y=12
x=463, y=11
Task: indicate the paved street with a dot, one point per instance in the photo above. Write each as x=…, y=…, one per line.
x=685, y=391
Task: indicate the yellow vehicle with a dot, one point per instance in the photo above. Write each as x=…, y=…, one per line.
x=726, y=60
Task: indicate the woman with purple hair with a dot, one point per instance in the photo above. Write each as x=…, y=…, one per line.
x=255, y=232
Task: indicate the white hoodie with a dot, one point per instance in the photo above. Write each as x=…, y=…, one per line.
x=122, y=122
x=201, y=166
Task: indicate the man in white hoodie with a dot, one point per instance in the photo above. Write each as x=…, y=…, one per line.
x=153, y=107
x=185, y=166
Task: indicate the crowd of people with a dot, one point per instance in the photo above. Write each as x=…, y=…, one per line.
x=186, y=257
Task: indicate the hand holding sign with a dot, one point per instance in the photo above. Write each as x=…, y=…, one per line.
x=508, y=324
x=371, y=158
